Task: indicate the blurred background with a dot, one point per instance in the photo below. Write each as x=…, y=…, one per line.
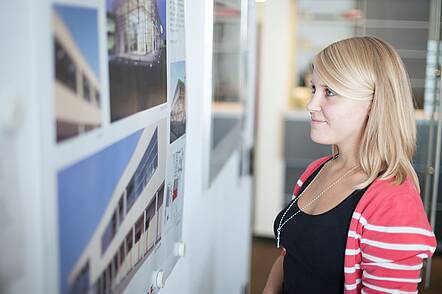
x=288, y=35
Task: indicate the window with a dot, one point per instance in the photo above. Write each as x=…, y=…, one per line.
x=114, y=224
x=139, y=228
x=121, y=209
x=129, y=241
x=150, y=213
x=144, y=171
x=65, y=69
x=97, y=97
x=122, y=253
x=109, y=275
x=131, y=197
x=98, y=289
x=104, y=282
x=81, y=283
x=86, y=89
x=160, y=196
x=106, y=238
x=115, y=264
x=109, y=233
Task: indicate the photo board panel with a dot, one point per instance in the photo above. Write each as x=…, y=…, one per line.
x=119, y=192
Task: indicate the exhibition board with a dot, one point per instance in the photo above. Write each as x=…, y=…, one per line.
x=117, y=143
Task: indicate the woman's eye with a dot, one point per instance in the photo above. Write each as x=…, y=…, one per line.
x=329, y=92
x=313, y=89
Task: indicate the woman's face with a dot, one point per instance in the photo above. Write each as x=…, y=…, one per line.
x=335, y=119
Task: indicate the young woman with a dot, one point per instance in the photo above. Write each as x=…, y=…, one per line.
x=357, y=223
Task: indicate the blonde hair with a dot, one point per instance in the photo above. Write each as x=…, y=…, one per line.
x=368, y=68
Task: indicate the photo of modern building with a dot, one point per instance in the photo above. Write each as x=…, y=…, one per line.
x=76, y=80
x=178, y=107
x=120, y=238
x=136, y=34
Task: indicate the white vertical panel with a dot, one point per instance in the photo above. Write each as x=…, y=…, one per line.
x=276, y=68
x=21, y=226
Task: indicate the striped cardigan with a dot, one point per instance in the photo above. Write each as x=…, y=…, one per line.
x=388, y=238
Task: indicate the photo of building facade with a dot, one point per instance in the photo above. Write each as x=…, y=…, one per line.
x=178, y=113
x=130, y=226
x=135, y=247
x=136, y=34
x=137, y=30
x=178, y=107
x=76, y=85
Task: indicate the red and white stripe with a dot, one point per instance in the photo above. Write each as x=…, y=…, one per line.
x=388, y=238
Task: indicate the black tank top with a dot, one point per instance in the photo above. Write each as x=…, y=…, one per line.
x=315, y=246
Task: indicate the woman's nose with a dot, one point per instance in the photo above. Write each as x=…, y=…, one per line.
x=314, y=104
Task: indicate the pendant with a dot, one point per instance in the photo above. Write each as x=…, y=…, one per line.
x=278, y=238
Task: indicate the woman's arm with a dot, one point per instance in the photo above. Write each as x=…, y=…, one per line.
x=274, y=281
x=396, y=238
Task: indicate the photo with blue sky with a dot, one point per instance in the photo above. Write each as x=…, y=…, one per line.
x=84, y=191
x=177, y=72
x=82, y=24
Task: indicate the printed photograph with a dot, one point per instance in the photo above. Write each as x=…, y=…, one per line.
x=110, y=212
x=175, y=189
x=77, y=76
x=136, y=41
x=178, y=107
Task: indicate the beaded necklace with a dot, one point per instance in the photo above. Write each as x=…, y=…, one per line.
x=281, y=224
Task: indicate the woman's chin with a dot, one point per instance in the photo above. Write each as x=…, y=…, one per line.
x=319, y=140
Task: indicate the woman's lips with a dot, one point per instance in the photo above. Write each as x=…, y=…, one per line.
x=314, y=121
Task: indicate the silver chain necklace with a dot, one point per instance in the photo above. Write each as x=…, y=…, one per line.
x=281, y=224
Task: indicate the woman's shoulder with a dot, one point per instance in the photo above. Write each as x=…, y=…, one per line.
x=381, y=189
x=385, y=199
x=390, y=214
x=308, y=171
x=315, y=164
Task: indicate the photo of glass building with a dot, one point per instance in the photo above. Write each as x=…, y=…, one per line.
x=136, y=30
x=178, y=106
x=136, y=43
x=178, y=113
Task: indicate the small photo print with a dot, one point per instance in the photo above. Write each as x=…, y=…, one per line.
x=77, y=89
x=178, y=107
x=136, y=44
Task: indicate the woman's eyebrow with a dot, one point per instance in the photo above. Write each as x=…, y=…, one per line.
x=324, y=86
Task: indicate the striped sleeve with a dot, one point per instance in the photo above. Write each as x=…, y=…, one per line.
x=395, y=239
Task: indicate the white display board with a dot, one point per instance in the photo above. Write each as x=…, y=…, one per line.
x=118, y=142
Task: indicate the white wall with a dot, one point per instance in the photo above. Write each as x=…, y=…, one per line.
x=217, y=233
x=216, y=222
x=21, y=232
x=276, y=72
